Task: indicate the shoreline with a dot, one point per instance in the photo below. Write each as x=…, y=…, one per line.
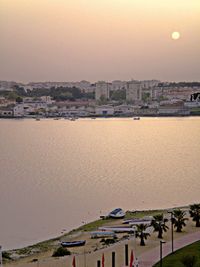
x=46, y=247
x=103, y=117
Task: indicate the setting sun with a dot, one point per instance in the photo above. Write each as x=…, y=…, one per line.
x=176, y=35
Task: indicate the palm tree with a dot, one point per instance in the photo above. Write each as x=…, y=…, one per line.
x=178, y=219
x=141, y=233
x=195, y=213
x=159, y=225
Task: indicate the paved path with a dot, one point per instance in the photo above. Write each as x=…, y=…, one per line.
x=149, y=258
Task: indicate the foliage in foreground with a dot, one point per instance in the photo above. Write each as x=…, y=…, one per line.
x=6, y=255
x=141, y=233
x=108, y=241
x=60, y=252
x=179, y=219
x=159, y=224
x=195, y=213
x=189, y=260
x=187, y=255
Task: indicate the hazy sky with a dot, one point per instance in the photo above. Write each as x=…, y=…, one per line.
x=70, y=40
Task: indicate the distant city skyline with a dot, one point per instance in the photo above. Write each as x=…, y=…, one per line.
x=59, y=40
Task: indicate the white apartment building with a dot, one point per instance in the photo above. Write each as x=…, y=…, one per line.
x=7, y=86
x=102, y=90
x=47, y=99
x=149, y=83
x=134, y=91
x=118, y=85
x=18, y=110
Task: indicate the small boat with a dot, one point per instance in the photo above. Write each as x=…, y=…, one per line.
x=134, y=221
x=118, y=229
x=136, y=118
x=117, y=214
x=73, y=243
x=101, y=234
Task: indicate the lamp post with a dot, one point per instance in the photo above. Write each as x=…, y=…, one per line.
x=172, y=232
x=161, y=242
x=1, y=259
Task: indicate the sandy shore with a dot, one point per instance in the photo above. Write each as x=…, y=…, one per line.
x=92, y=252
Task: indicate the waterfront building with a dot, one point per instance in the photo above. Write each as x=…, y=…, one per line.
x=6, y=112
x=118, y=85
x=18, y=110
x=176, y=108
x=104, y=110
x=102, y=91
x=134, y=91
x=7, y=86
x=149, y=83
x=47, y=100
x=124, y=110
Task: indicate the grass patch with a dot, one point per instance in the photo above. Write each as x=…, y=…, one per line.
x=140, y=214
x=94, y=225
x=53, y=243
x=176, y=259
x=101, y=222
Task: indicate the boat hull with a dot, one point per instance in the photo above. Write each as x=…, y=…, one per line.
x=73, y=244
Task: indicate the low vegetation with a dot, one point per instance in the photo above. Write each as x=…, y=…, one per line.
x=188, y=256
x=108, y=241
x=60, y=252
x=159, y=224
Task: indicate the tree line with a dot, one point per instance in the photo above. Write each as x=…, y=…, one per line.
x=179, y=220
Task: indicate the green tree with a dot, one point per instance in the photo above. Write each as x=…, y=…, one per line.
x=146, y=97
x=195, y=213
x=159, y=224
x=12, y=95
x=118, y=95
x=179, y=219
x=19, y=99
x=102, y=100
x=141, y=233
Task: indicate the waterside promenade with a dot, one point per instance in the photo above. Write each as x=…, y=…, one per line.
x=147, y=256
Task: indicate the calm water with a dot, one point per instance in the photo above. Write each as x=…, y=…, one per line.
x=57, y=175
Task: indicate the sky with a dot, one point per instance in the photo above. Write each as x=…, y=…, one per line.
x=73, y=40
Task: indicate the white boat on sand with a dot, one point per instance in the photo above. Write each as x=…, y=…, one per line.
x=117, y=213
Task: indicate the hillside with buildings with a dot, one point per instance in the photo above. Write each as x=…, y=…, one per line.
x=84, y=99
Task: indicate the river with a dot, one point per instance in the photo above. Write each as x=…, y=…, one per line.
x=60, y=174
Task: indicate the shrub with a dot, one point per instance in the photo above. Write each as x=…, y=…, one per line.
x=189, y=260
x=109, y=241
x=6, y=255
x=34, y=260
x=60, y=252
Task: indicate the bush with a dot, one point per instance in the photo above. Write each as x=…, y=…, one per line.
x=60, y=252
x=108, y=241
x=189, y=260
x=34, y=260
x=6, y=255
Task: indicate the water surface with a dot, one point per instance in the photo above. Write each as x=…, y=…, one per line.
x=57, y=175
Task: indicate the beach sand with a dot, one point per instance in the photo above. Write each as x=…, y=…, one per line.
x=88, y=255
